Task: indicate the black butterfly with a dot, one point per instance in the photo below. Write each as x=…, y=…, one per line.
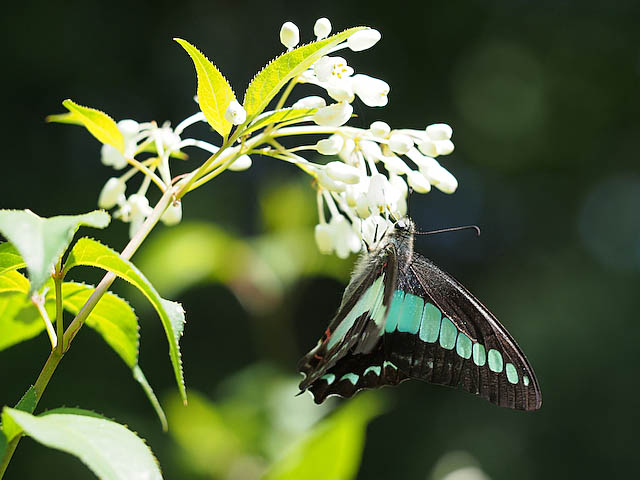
x=402, y=317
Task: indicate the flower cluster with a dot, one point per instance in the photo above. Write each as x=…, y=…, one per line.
x=360, y=192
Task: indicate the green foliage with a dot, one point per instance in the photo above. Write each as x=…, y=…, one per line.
x=114, y=319
x=277, y=116
x=19, y=318
x=41, y=241
x=26, y=404
x=92, y=253
x=109, y=449
x=332, y=450
x=270, y=80
x=69, y=118
x=214, y=92
x=99, y=124
x=13, y=282
x=10, y=258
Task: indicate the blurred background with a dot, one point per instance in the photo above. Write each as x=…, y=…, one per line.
x=543, y=98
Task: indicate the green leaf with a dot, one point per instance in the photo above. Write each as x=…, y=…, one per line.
x=10, y=258
x=214, y=92
x=276, y=116
x=333, y=448
x=19, y=318
x=91, y=253
x=13, y=282
x=3, y=443
x=109, y=449
x=27, y=404
x=268, y=82
x=114, y=319
x=70, y=118
x=99, y=124
x=42, y=241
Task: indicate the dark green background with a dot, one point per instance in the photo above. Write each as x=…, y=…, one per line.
x=544, y=100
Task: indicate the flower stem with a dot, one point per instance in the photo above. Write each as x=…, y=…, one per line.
x=57, y=280
x=56, y=354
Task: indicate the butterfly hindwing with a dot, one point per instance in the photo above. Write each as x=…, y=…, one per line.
x=438, y=332
x=357, y=327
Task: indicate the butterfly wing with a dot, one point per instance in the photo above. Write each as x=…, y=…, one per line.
x=357, y=328
x=439, y=332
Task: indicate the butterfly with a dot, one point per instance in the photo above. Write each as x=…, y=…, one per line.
x=402, y=317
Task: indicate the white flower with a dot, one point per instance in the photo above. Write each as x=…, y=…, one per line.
x=418, y=182
x=111, y=193
x=289, y=35
x=428, y=147
x=363, y=39
x=331, y=145
x=235, y=113
x=138, y=211
x=329, y=183
x=346, y=241
x=111, y=157
x=173, y=214
x=129, y=128
x=322, y=28
x=374, y=228
x=444, y=147
x=400, y=143
x=324, y=238
x=372, y=91
x=310, y=102
x=332, y=69
x=243, y=162
x=341, y=91
x=380, y=129
x=439, y=131
x=343, y=173
x=376, y=193
x=442, y=179
x=334, y=115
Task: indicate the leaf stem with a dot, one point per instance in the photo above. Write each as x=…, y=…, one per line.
x=57, y=280
x=38, y=300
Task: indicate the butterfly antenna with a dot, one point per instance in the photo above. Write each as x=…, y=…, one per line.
x=451, y=229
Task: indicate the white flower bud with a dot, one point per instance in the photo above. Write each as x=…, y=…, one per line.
x=341, y=91
x=362, y=206
x=346, y=240
x=334, y=115
x=289, y=35
x=310, y=102
x=372, y=91
x=439, y=131
x=395, y=165
x=331, y=145
x=444, y=147
x=363, y=39
x=111, y=192
x=329, y=183
x=324, y=238
x=111, y=157
x=374, y=228
x=139, y=205
x=243, y=162
x=442, y=179
x=322, y=28
x=428, y=148
x=380, y=129
x=343, y=172
x=170, y=139
x=235, y=113
x=399, y=184
x=128, y=128
x=376, y=192
x=400, y=143
x=173, y=214
x=346, y=154
x=418, y=182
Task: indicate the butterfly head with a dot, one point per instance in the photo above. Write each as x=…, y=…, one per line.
x=405, y=226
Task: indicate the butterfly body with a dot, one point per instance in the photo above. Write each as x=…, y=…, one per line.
x=402, y=317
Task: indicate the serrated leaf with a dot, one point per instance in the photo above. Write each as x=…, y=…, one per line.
x=114, y=319
x=214, y=92
x=41, y=241
x=99, y=124
x=27, y=404
x=276, y=116
x=268, y=82
x=70, y=118
x=339, y=438
x=13, y=282
x=109, y=449
x=92, y=253
x=10, y=258
x=19, y=318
